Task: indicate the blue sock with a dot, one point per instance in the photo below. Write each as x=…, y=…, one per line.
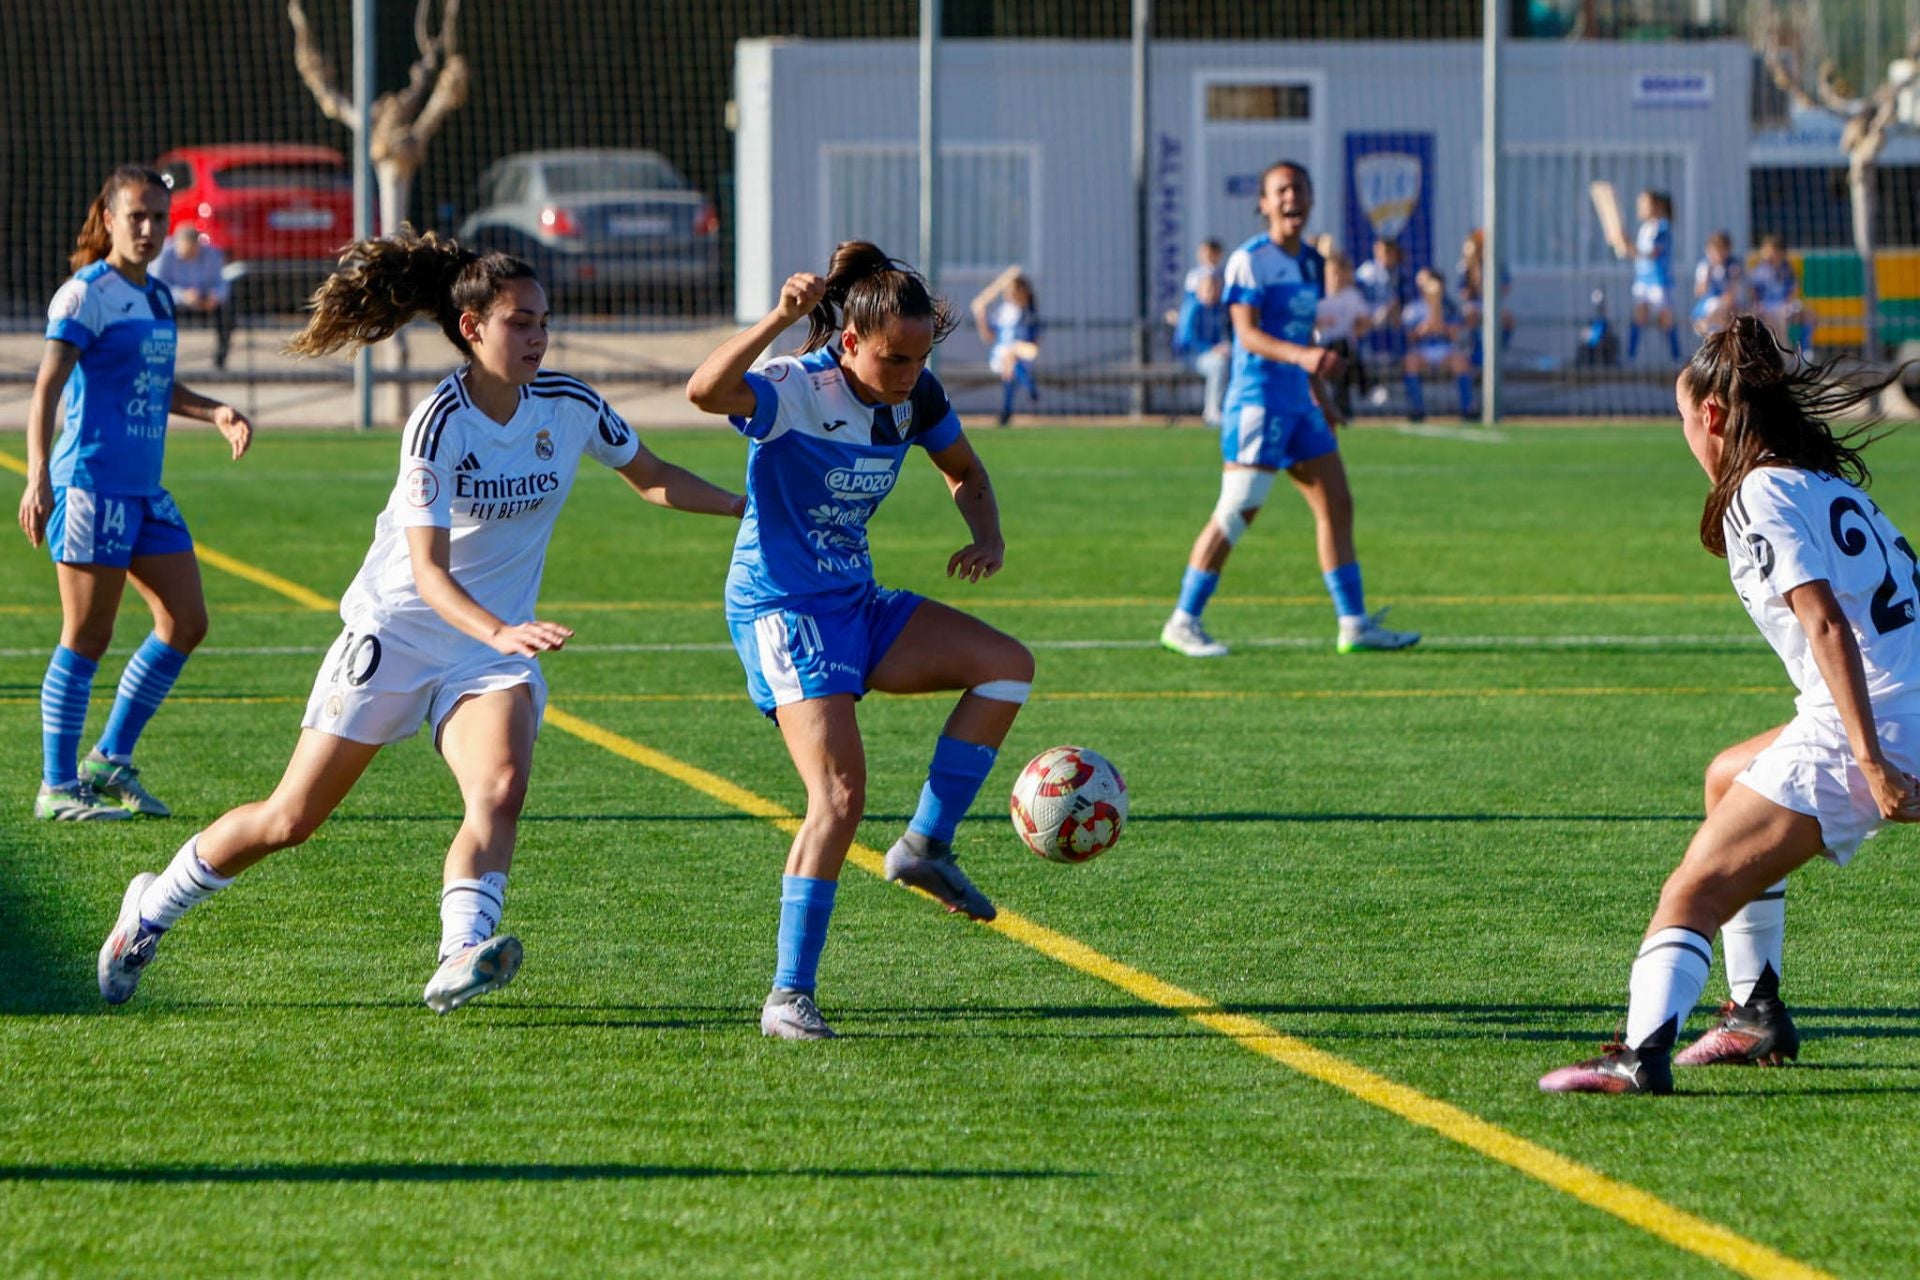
x=1673, y=342
x=1633, y=341
x=1343, y=584
x=1196, y=588
x=1465, y=386
x=145, y=683
x=953, y=780
x=1416, y=396
x=1006, y=398
x=806, y=905
x=63, y=714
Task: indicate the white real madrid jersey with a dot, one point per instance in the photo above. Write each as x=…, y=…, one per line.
x=497, y=487
x=1786, y=527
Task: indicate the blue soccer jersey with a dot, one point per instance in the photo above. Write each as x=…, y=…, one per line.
x=1285, y=290
x=1653, y=254
x=114, y=412
x=820, y=463
x=1773, y=283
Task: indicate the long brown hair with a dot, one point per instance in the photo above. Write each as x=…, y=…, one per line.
x=1777, y=415
x=94, y=240
x=381, y=284
x=865, y=289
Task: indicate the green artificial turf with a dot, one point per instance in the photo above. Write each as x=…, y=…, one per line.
x=1433, y=864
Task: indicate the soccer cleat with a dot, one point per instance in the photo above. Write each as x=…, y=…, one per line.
x=1366, y=633
x=119, y=784
x=1187, y=636
x=74, y=802
x=129, y=949
x=792, y=1015
x=921, y=862
x=473, y=971
x=1759, y=1033
x=1618, y=1069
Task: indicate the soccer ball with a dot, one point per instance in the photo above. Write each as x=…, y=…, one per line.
x=1069, y=804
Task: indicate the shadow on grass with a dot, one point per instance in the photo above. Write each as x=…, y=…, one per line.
x=369, y=1173
x=1250, y=816
x=47, y=969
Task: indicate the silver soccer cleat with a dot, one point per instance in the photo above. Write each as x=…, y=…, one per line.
x=1186, y=636
x=474, y=971
x=792, y=1015
x=129, y=949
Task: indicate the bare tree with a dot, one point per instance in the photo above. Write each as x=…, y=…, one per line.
x=1787, y=36
x=403, y=122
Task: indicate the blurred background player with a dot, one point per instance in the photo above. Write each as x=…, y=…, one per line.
x=106, y=376
x=1200, y=329
x=195, y=271
x=1652, y=254
x=1816, y=564
x=1009, y=324
x=1343, y=318
x=440, y=622
x=829, y=429
x=1382, y=278
x=1434, y=336
x=1776, y=297
x=1469, y=286
x=1274, y=420
x=1717, y=284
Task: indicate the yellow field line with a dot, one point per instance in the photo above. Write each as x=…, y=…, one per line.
x=1624, y=1201
x=1587, y=1185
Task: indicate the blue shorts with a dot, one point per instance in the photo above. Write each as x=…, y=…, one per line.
x=111, y=529
x=790, y=657
x=1255, y=437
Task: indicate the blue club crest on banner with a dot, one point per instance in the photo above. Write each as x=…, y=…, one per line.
x=1390, y=194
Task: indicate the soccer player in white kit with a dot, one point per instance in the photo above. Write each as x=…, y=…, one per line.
x=440, y=620
x=1832, y=585
x=829, y=430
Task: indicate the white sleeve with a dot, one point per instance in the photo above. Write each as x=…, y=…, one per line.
x=612, y=441
x=1783, y=539
x=430, y=447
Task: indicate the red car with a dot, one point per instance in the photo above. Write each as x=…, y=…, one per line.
x=278, y=212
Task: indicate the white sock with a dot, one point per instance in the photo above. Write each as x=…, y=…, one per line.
x=1668, y=976
x=187, y=882
x=1754, y=939
x=470, y=911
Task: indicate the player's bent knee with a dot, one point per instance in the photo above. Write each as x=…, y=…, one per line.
x=1243, y=491
x=285, y=827
x=502, y=792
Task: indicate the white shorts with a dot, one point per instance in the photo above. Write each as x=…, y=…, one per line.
x=1657, y=296
x=1810, y=769
x=373, y=688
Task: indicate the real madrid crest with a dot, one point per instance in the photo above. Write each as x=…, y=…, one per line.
x=543, y=444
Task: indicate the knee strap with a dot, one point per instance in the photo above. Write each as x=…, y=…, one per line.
x=1014, y=691
x=1242, y=489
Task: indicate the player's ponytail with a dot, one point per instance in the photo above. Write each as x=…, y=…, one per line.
x=94, y=240
x=866, y=289
x=1776, y=415
x=381, y=284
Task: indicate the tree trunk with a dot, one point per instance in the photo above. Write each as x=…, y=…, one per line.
x=1862, y=186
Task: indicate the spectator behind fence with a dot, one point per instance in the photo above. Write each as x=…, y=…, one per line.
x=1200, y=336
x=1009, y=322
x=1344, y=317
x=194, y=269
x=1432, y=326
x=1469, y=285
x=1717, y=285
x=1776, y=297
x=1383, y=279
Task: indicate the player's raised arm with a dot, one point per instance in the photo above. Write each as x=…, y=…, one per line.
x=719, y=385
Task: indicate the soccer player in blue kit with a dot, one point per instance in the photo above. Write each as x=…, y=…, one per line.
x=1652, y=254
x=829, y=429
x=107, y=378
x=1273, y=422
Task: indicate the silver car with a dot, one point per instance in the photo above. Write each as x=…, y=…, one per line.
x=599, y=222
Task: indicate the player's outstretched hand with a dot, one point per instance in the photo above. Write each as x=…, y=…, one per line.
x=527, y=639
x=801, y=294
x=977, y=561
x=234, y=426
x=1896, y=793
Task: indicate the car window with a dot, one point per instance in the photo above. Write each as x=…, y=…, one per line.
x=280, y=173
x=178, y=175
x=608, y=174
x=511, y=187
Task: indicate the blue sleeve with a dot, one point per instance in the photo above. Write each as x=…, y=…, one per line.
x=931, y=406
x=766, y=408
x=71, y=332
x=941, y=434
x=1247, y=293
x=1186, y=330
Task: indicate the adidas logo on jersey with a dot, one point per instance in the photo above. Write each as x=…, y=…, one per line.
x=468, y=463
